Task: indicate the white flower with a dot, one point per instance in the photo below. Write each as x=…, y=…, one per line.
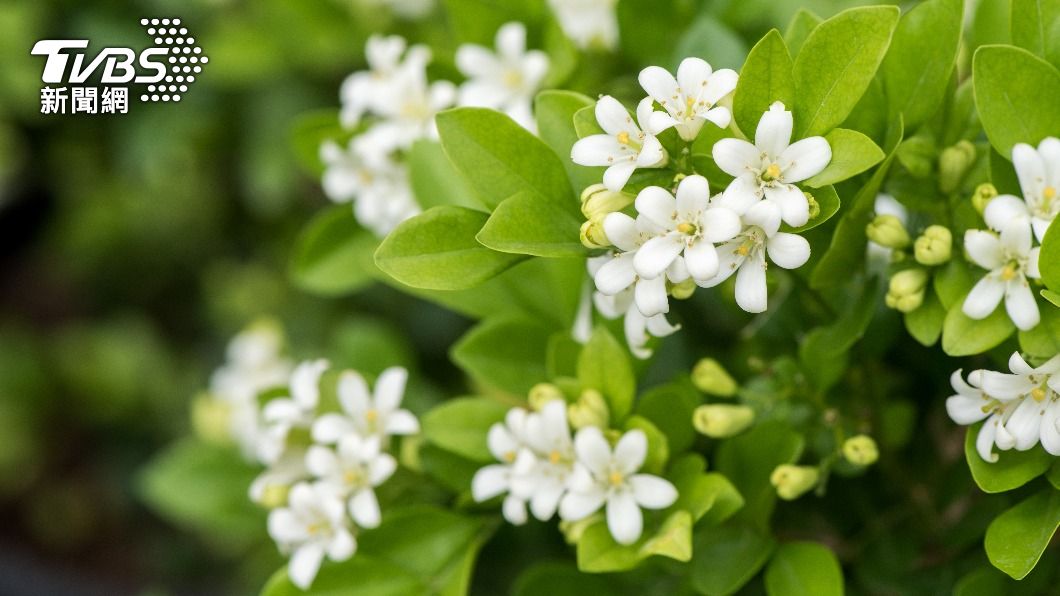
x=361, y=91
x=618, y=272
x=879, y=257
x=1010, y=261
x=769, y=168
x=746, y=255
x=366, y=174
x=352, y=471
x=293, y=411
x=311, y=526
x=408, y=105
x=691, y=227
x=368, y=414
x=1039, y=175
x=638, y=328
x=605, y=478
x=543, y=478
x=507, y=80
x=624, y=147
x=288, y=469
x=507, y=443
x=690, y=99
x=588, y=23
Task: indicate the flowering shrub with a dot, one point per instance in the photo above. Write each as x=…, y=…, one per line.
x=621, y=251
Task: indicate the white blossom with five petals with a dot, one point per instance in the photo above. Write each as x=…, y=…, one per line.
x=352, y=471
x=507, y=443
x=367, y=413
x=1010, y=260
x=624, y=146
x=618, y=272
x=1038, y=171
x=312, y=526
x=691, y=99
x=506, y=80
x=296, y=410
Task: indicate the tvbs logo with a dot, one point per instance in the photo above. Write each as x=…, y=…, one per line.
x=167, y=69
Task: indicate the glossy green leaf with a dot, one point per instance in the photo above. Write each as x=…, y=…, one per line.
x=525, y=224
x=1012, y=469
x=554, y=111
x=835, y=65
x=499, y=158
x=310, y=131
x=437, y=250
x=670, y=408
x=852, y=154
x=799, y=27
x=604, y=365
x=333, y=254
x=461, y=425
x=727, y=557
x=964, y=336
x=1043, y=341
x=749, y=459
x=712, y=40
x=560, y=579
x=766, y=77
x=599, y=553
x=504, y=353
x=1016, y=539
x=920, y=61
x=925, y=323
x=433, y=178
x=1049, y=257
x=1015, y=93
x=1032, y=24
x=800, y=568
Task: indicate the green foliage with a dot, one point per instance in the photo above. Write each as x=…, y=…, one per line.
x=835, y=65
x=1049, y=258
x=489, y=355
x=852, y=154
x=728, y=556
x=460, y=425
x=333, y=255
x=525, y=224
x=554, y=111
x=1012, y=469
x=1032, y=25
x=964, y=336
x=749, y=459
x=604, y=365
x=766, y=77
x=1013, y=91
x=803, y=568
x=1016, y=539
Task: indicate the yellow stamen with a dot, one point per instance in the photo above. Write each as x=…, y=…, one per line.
x=743, y=251
x=772, y=172
x=513, y=78
x=509, y=456
x=371, y=415
x=686, y=228
x=623, y=137
x=615, y=478
x=1009, y=272
x=1049, y=193
x=352, y=477
x=689, y=103
x=554, y=457
x=1038, y=394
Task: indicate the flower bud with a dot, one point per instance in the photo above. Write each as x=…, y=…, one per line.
x=954, y=163
x=211, y=418
x=709, y=377
x=934, y=246
x=589, y=410
x=683, y=290
x=861, y=450
x=593, y=235
x=792, y=482
x=888, y=231
x=906, y=290
x=815, y=207
x=720, y=421
x=917, y=154
x=542, y=393
x=597, y=200
x=984, y=193
x=274, y=495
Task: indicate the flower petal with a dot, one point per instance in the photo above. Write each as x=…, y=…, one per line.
x=794, y=208
x=655, y=255
x=984, y=441
x=592, y=449
x=1003, y=209
x=693, y=195
x=692, y=75
x=751, y=285
x=652, y=492
x=545, y=501
x=514, y=510
x=1016, y=236
x=390, y=388
x=598, y=150
x=1050, y=430
x=621, y=231
x=984, y=297
x=624, y=518
x=616, y=275
x=720, y=224
x=658, y=205
x=613, y=117
x=965, y=409
x=342, y=546
x=1021, y=305
x=984, y=248
x=353, y=393
x=630, y=451
x=660, y=85
x=722, y=83
x=1030, y=169
x=1025, y=424
x=789, y=251
x=650, y=296
x=774, y=131
x=616, y=176
x=305, y=563
x=736, y=156
x=331, y=427
x=402, y=422
x=364, y=508
x=742, y=193
x=701, y=258
x=580, y=505
x=765, y=215
x=489, y=482
x=805, y=158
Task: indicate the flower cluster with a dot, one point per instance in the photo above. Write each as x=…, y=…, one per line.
x=590, y=24
x=541, y=464
x=1021, y=408
x=1007, y=251
x=392, y=105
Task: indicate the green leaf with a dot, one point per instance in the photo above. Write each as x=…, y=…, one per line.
x=1015, y=93
x=964, y=336
x=1012, y=469
x=1032, y=23
x=554, y=111
x=1043, y=341
x=604, y=365
x=766, y=77
x=852, y=154
x=800, y=568
x=363, y=575
x=525, y=224
x=1049, y=257
x=433, y=178
x=1052, y=297
x=953, y=281
x=920, y=61
x=749, y=459
x=437, y=250
x=799, y=28
x=925, y=323
x=599, y=553
x=560, y=579
x=699, y=493
x=460, y=425
x=477, y=21
x=727, y=557
x=984, y=581
x=309, y=132
x=712, y=40
x=670, y=408
x=585, y=123
x=1053, y=475
x=504, y=353
x=835, y=65
x=1016, y=539
x=826, y=345
x=333, y=254
x=499, y=158
x=204, y=487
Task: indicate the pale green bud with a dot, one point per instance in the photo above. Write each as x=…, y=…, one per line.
x=954, y=163
x=888, y=231
x=917, y=154
x=593, y=235
x=589, y=410
x=542, y=393
x=410, y=452
x=984, y=193
x=934, y=246
x=683, y=290
x=861, y=450
x=792, y=482
x=597, y=200
x=720, y=421
x=906, y=290
x=709, y=377
x=211, y=418
x=815, y=207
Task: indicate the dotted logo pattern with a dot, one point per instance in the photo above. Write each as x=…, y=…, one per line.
x=185, y=59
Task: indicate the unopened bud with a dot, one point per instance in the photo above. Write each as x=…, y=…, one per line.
x=934, y=246
x=542, y=393
x=720, y=421
x=888, y=231
x=815, y=207
x=917, y=154
x=709, y=377
x=597, y=200
x=792, y=482
x=274, y=495
x=589, y=410
x=984, y=193
x=906, y=290
x=593, y=235
x=954, y=163
x=683, y=290
x=861, y=450
x=211, y=418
